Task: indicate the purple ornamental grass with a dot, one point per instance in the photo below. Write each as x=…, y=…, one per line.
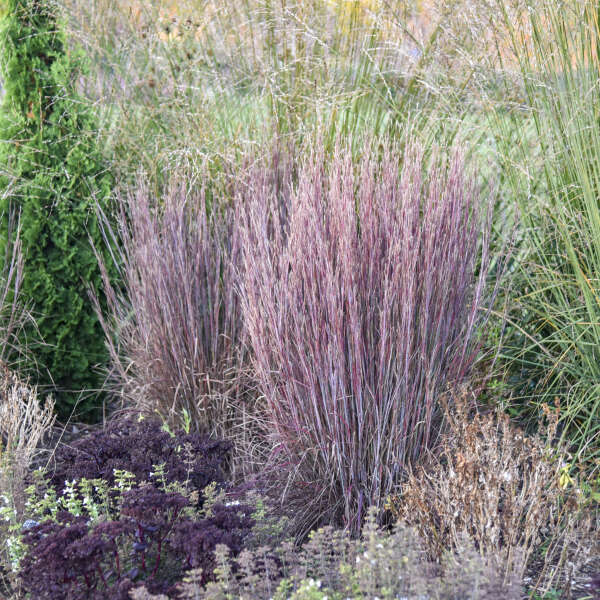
x=174, y=332
x=360, y=297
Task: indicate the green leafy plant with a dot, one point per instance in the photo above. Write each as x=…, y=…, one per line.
x=52, y=171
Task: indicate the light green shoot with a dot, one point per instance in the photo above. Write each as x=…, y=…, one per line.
x=124, y=480
x=187, y=421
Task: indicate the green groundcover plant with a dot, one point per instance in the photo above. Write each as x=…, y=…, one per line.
x=55, y=171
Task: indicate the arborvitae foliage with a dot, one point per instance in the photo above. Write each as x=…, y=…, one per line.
x=52, y=170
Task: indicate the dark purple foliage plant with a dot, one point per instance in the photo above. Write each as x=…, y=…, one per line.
x=138, y=446
x=129, y=505
x=151, y=542
x=362, y=289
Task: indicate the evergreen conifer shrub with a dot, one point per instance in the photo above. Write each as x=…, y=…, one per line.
x=53, y=172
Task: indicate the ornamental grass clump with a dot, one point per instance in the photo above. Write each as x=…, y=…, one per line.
x=174, y=328
x=555, y=178
x=362, y=290
x=24, y=423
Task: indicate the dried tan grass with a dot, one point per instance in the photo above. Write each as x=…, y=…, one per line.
x=503, y=490
x=23, y=423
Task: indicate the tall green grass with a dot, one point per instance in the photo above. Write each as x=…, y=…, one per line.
x=551, y=155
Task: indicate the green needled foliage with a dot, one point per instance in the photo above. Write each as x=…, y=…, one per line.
x=54, y=171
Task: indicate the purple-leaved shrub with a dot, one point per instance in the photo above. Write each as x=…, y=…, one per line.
x=151, y=542
x=137, y=446
x=362, y=289
x=129, y=505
